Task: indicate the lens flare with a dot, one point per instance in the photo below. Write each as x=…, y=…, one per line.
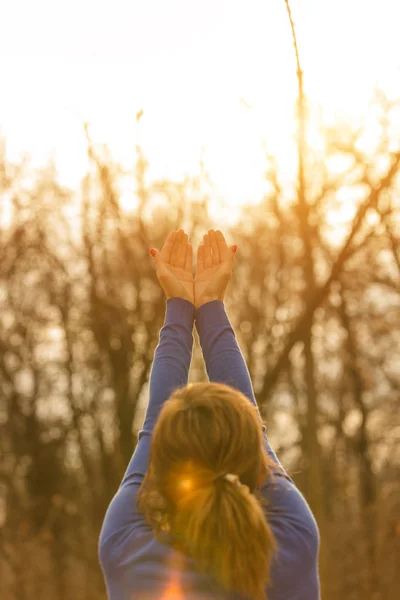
x=174, y=590
x=186, y=485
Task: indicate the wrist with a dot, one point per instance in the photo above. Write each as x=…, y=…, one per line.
x=200, y=303
x=191, y=300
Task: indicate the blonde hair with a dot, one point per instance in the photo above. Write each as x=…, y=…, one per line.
x=204, y=431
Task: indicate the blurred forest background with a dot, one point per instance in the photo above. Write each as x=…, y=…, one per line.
x=316, y=312
x=318, y=323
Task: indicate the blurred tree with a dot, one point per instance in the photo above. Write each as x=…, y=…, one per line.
x=316, y=310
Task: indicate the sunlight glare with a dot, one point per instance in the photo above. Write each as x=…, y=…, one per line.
x=344, y=209
x=174, y=589
x=223, y=79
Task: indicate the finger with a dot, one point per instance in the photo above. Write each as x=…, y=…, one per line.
x=157, y=259
x=200, y=259
x=216, y=258
x=175, y=249
x=166, y=250
x=181, y=258
x=222, y=245
x=189, y=258
x=232, y=255
x=207, y=252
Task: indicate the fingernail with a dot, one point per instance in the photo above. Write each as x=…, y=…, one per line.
x=152, y=251
x=235, y=248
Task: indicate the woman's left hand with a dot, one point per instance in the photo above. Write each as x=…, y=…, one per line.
x=174, y=266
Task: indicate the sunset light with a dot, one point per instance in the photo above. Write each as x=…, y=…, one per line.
x=199, y=281
x=214, y=77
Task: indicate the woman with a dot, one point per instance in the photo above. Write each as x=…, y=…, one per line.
x=205, y=509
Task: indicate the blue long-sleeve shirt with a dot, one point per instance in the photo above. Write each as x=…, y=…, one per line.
x=138, y=567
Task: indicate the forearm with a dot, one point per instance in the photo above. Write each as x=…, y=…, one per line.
x=172, y=357
x=222, y=355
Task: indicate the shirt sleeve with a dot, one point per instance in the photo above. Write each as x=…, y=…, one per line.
x=224, y=360
x=170, y=370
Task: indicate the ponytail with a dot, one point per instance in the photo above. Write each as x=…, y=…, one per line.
x=223, y=528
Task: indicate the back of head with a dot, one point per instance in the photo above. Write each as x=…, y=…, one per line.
x=204, y=431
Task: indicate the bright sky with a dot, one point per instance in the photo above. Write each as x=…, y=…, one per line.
x=187, y=64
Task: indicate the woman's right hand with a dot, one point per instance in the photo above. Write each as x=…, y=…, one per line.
x=214, y=266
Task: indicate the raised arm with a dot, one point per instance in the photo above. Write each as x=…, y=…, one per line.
x=169, y=371
x=222, y=355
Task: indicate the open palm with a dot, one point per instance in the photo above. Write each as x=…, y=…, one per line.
x=213, y=269
x=174, y=266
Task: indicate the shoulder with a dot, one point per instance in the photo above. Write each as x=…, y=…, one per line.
x=290, y=515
